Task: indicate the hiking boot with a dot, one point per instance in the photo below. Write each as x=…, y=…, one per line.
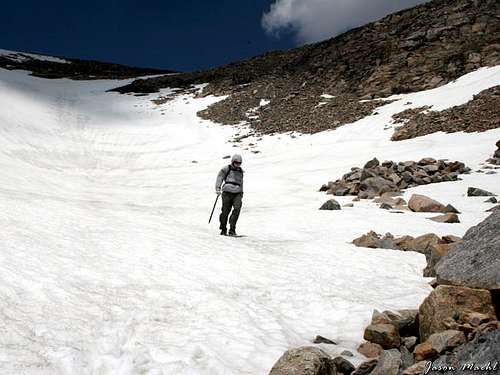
x=232, y=232
x=223, y=232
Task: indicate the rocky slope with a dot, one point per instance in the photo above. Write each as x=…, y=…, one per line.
x=51, y=67
x=455, y=329
x=412, y=50
x=478, y=115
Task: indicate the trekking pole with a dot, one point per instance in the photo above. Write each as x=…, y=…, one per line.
x=213, y=209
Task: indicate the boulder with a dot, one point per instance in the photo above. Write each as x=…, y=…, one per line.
x=389, y=363
x=331, y=205
x=366, y=368
x=476, y=192
x=446, y=303
x=377, y=186
x=323, y=340
x=450, y=209
x=417, y=369
x=372, y=164
x=403, y=320
x=446, y=218
x=385, y=206
x=304, y=361
x=446, y=340
x=380, y=318
x=476, y=319
x=421, y=203
x=437, y=252
x=386, y=335
x=450, y=238
x=406, y=358
x=479, y=356
x=491, y=200
x=427, y=161
x=492, y=325
x=424, y=243
x=406, y=322
x=343, y=365
x=370, y=349
x=409, y=342
x=405, y=243
x=387, y=242
x=475, y=261
x=424, y=351
x=371, y=240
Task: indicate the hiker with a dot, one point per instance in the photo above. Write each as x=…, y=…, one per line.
x=232, y=192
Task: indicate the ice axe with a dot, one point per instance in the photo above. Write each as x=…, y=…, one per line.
x=213, y=209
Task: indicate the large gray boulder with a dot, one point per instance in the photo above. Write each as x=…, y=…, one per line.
x=330, y=205
x=484, y=350
x=476, y=192
x=474, y=262
x=389, y=363
x=307, y=360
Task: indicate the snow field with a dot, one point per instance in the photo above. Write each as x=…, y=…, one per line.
x=108, y=266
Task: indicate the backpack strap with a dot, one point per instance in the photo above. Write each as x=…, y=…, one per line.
x=227, y=173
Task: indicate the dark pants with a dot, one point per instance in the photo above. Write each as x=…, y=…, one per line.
x=230, y=200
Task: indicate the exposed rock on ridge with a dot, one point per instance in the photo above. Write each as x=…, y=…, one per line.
x=72, y=68
x=412, y=50
x=478, y=115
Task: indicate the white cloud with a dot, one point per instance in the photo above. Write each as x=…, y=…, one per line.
x=314, y=20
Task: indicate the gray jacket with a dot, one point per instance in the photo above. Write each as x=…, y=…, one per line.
x=233, y=183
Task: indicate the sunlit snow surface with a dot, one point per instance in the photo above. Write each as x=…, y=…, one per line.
x=108, y=265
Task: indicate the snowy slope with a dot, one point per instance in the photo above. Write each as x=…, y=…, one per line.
x=108, y=266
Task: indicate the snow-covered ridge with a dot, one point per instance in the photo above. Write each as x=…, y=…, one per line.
x=23, y=56
x=108, y=266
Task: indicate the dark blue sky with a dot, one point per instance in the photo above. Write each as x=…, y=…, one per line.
x=173, y=34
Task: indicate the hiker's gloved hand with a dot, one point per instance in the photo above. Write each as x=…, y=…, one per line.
x=217, y=191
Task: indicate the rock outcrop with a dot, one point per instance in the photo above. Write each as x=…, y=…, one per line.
x=50, y=67
x=475, y=262
x=304, y=361
x=478, y=115
x=376, y=178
